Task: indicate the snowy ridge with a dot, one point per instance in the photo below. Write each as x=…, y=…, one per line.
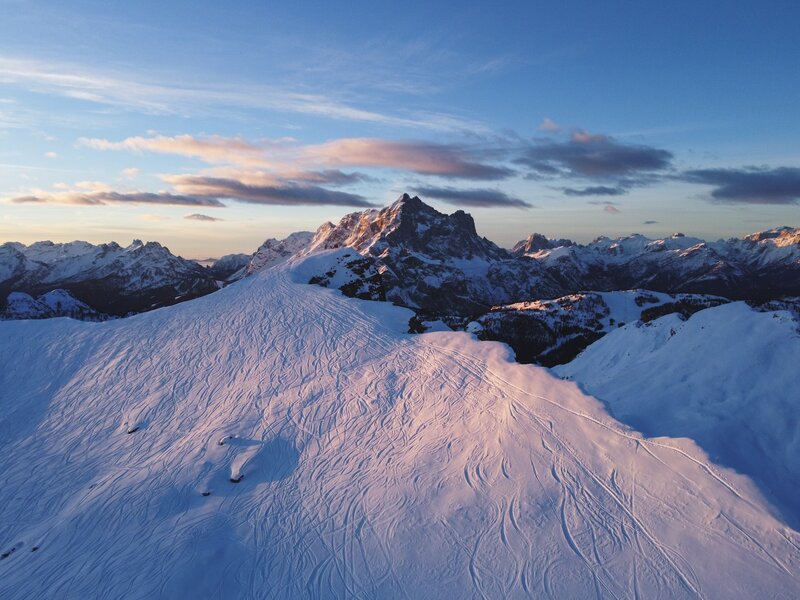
x=369, y=463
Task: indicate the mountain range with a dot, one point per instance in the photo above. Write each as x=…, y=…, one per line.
x=412, y=255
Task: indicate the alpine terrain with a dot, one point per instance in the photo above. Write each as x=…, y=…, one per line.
x=277, y=439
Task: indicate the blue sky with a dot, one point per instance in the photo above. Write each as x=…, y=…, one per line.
x=120, y=120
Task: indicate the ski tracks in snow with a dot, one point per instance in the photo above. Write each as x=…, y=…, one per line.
x=369, y=464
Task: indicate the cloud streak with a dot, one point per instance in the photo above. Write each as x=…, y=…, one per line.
x=424, y=158
x=201, y=217
x=321, y=161
x=475, y=198
x=596, y=190
x=102, y=197
x=749, y=185
x=213, y=149
x=138, y=93
x=288, y=194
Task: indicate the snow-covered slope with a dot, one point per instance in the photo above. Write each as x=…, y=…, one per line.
x=369, y=464
x=727, y=378
x=108, y=277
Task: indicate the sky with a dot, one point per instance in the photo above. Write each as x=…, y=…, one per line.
x=212, y=126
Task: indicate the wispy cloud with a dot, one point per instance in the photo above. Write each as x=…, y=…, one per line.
x=613, y=167
x=476, y=198
x=201, y=217
x=98, y=198
x=749, y=185
x=212, y=149
x=138, y=93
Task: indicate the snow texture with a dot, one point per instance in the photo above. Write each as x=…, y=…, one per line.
x=727, y=378
x=278, y=440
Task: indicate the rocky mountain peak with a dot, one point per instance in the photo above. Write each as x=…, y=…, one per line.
x=409, y=225
x=536, y=242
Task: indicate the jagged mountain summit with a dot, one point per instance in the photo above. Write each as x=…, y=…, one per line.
x=415, y=256
x=109, y=278
x=278, y=440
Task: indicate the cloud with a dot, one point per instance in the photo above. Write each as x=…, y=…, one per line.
x=596, y=190
x=650, y=223
x=213, y=149
x=130, y=173
x=97, y=198
x=612, y=210
x=424, y=158
x=142, y=93
x=594, y=156
x=473, y=197
x=549, y=126
x=320, y=162
x=51, y=155
x=199, y=217
x=750, y=185
x=281, y=194
x=327, y=176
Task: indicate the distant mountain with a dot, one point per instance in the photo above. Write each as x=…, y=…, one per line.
x=761, y=266
x=415, y=256
x=224, y=267
x=109, y=278
x=412, y=255
x=273, y=252
x=58, y=303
